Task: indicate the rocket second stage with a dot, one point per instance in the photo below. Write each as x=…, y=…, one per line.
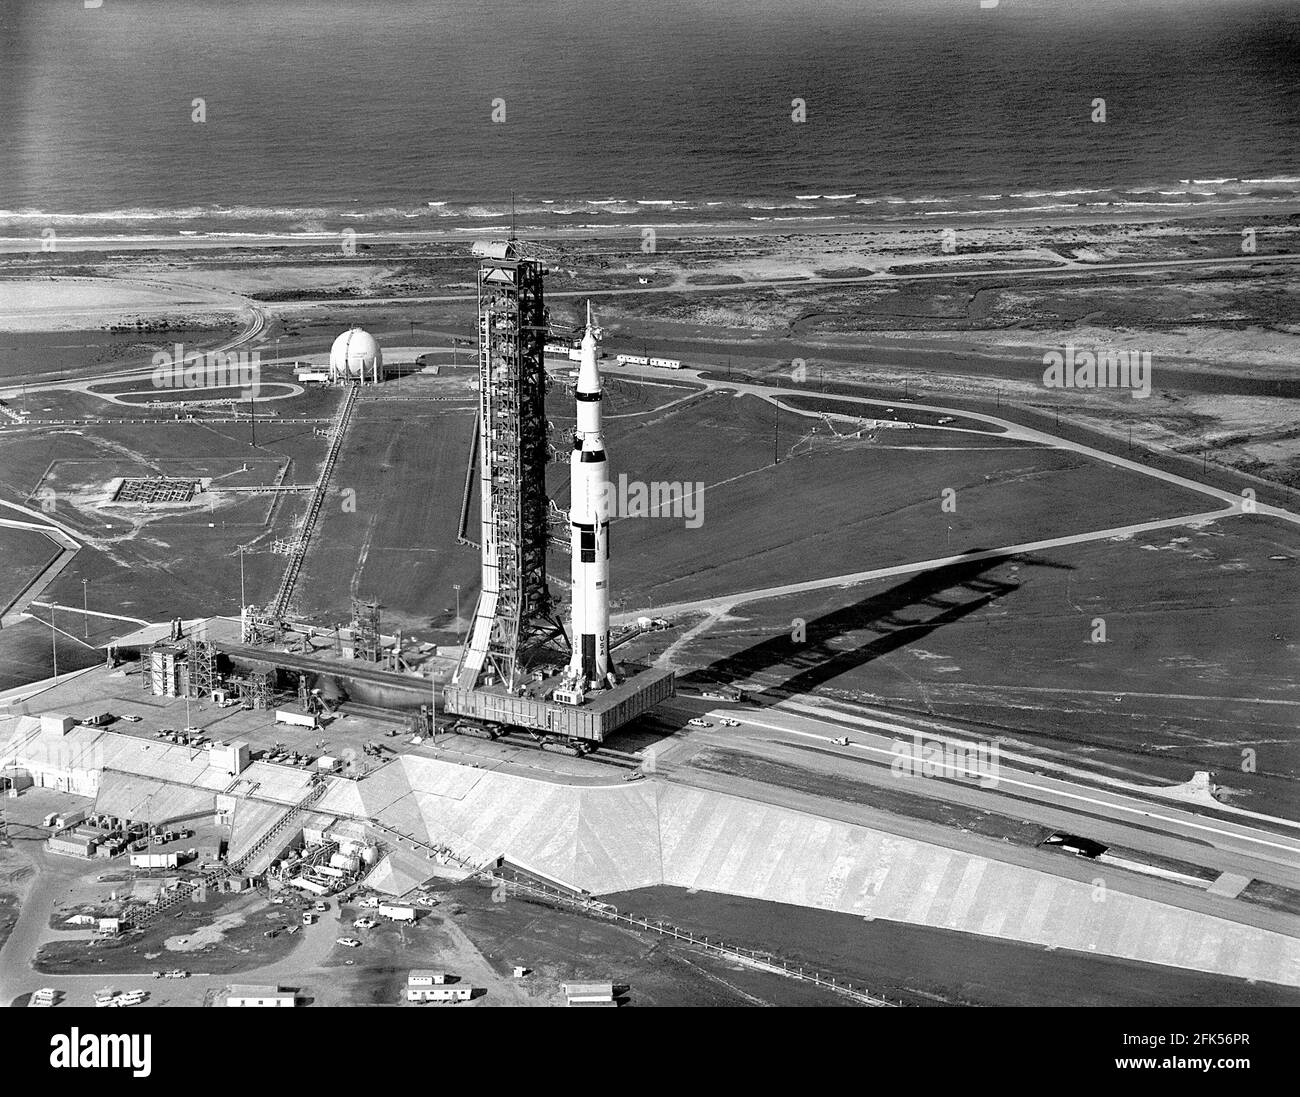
x=589, y=527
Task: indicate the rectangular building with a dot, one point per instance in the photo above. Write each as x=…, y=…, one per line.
x=589, y=993
x=439, y=994
x=263, y=996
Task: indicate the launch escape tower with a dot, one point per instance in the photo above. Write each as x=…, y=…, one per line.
x=515, y=618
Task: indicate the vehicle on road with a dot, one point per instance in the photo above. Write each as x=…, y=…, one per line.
x=729, y=723
x=842, y=741
x=348, y=942
x=308, y=918
x=699, y=722
x=322, y=906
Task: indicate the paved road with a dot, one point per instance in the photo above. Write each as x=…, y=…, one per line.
x=1148, y=819
x=1068, y=269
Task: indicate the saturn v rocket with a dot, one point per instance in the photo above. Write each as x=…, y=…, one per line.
x=590, y=665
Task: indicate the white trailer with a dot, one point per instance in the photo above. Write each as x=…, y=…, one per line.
x=296, y=717
x=396, y=914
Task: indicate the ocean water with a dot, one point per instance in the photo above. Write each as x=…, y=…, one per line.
x=377, y=114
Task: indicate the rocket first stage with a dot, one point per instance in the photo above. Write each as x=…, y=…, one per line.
x=589, y=528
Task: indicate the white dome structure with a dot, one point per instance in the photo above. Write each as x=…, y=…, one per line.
x=355, y=357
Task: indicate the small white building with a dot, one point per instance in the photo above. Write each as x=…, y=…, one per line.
x=231, y=758
x=154, y=860
x=264, y=996
x=424, y=978
x=55, y=723
x=589, y=994
x=437, y=992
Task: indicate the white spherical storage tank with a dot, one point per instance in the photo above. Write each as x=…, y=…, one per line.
x=355, y=356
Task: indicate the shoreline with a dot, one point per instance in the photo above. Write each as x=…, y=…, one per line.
x=803, y=225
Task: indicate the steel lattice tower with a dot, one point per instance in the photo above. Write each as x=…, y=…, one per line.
x=515, y=616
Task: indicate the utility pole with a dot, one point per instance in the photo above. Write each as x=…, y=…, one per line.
x=776, y=434
x=252, y=420
x=54, y=647
x=85, y=609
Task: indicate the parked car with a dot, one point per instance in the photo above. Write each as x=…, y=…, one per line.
x=726, y=722
x=131, y=718
x=321, y=906
x=348, y=942
x=364, y=923
x=699, y=722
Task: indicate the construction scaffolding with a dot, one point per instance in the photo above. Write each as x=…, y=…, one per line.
x=202, y=660
x=515, y=618
x=366, y=640
x=260, y=626
x=162, y=671
x=256, y=688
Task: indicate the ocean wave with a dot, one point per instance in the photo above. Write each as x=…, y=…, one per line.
x=451, y=215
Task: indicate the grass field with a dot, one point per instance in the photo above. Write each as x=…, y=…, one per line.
x=23, y=554
x=850, y=505
x=391, y=535
x=143, y=561
x=919, y=965
x=1196, y=668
